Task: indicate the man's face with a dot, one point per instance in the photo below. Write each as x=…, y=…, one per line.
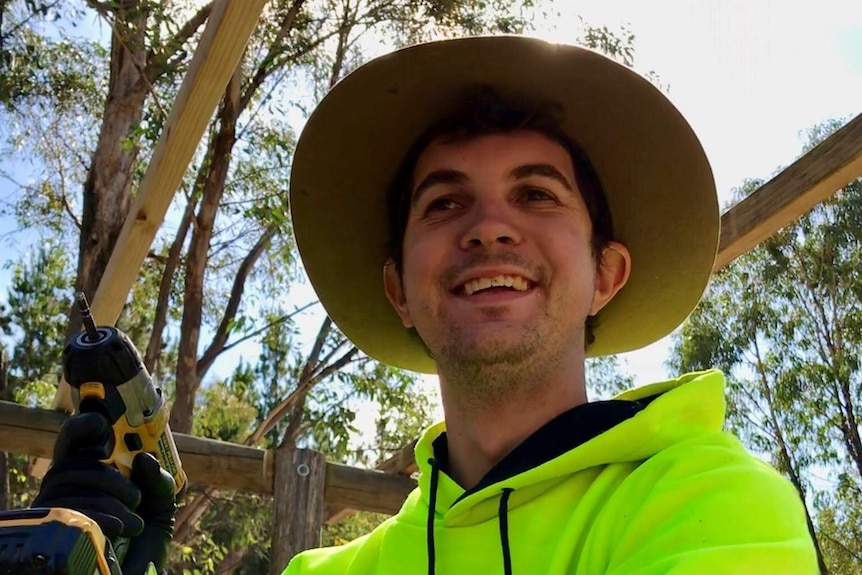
x=498, y=265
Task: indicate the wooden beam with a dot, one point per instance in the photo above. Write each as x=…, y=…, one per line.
x=221, y=47
x=32, y=431
x=368, y=490
x=814, y=177
x=222, y=44
x=403, y=463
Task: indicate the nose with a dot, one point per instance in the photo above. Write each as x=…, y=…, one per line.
x=491, y=223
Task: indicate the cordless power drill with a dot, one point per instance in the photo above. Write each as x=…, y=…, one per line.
x=108, y=376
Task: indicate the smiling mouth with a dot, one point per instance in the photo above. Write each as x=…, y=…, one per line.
x=494, y=284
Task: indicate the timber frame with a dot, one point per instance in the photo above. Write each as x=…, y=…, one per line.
x=307, y=490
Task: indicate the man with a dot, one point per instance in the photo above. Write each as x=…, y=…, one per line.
x=529, y=205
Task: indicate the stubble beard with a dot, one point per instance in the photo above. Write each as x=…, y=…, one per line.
x=488, y=373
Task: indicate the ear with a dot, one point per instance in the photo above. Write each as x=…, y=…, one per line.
x=612, y=274
x=394, y=287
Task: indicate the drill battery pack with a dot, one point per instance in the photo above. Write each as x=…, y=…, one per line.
x=42, y=541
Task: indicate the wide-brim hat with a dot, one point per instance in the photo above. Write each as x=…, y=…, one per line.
x=658, y=182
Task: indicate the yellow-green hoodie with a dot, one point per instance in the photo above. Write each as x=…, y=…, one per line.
x=644, y=484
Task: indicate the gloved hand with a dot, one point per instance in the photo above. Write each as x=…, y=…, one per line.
x=141, y=507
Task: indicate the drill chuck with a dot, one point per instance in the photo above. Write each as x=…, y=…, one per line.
x=107, y=375
x=114, y=362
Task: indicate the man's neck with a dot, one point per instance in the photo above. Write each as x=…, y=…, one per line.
x=480, y=436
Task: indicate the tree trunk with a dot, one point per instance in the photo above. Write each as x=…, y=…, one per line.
x=850, y=425
x=188, y=380
x=5, y=494
x=797, y=483
x=786, y=457
x=107, y=190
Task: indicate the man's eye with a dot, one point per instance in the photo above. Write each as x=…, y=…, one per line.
x=441, y=204
x=537, y=195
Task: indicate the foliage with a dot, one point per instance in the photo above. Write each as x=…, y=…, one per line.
x=28, y=56
x=34, y=321
x=606, y=378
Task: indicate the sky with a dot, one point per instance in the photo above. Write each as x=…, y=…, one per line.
x=751, y=76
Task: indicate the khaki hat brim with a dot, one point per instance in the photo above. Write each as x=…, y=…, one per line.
x=657, y=179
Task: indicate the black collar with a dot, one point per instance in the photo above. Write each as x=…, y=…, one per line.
x=563, y=433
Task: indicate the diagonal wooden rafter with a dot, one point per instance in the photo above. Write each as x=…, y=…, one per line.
x=811, y=179
x=223, y=42
x=221, y=47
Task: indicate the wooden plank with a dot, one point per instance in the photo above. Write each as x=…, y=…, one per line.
x=32, y=431
x=403, y=463
x=28, y=430
x=222, y=44
x=223, y=465
x=814, y=177
x=369, y=490
x=300, y=477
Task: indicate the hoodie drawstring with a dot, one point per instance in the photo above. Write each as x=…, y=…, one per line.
x=432, y=509
x=503, y=515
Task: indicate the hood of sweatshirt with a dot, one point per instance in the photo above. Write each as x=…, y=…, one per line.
x=646, y=482
x=596, y=433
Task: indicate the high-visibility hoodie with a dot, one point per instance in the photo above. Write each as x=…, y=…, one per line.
x=644, y=484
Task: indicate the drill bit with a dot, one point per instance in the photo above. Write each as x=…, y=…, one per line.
x=89, y=323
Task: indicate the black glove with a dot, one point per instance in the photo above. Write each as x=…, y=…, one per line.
x=141, y=507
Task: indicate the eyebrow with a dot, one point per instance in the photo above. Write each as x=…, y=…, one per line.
x=450, y=176
x=544, y=170
x=445, y=176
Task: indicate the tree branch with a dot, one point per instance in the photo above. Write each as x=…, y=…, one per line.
x=314, y=356
x=306, y=49
x=64, y=198
x=302, y=387
x=154, y=346
x=341, y=49
x=269, y=325
x=342, y=362
x=103, y=8
x=231, y=561
x=821, y=327
x=295, y=424
x=20, y=24
x=275, y=49
x=217, y=346
x=189, y=514
x=158, y=61
x=325, y=361
x=843, y=547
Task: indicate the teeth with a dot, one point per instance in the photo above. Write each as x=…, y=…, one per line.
x=516, y=282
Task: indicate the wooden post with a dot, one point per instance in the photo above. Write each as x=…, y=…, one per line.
x=300, y=479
